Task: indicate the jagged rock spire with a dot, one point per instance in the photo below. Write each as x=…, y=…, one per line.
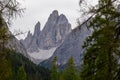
x=37, y=29
x=53, y=34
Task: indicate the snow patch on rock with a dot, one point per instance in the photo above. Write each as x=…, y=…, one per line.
x=41, y=55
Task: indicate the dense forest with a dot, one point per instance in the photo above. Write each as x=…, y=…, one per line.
x=21, y=68
x=31, y=70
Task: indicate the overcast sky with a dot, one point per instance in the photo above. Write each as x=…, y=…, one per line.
x=39, y=10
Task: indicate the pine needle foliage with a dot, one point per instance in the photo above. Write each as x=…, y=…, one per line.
x=102, y=55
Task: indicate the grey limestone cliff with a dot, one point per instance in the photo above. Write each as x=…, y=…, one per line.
x=71, y=47
x=17, y=46
x=55, y=31
x=31, y=41
x=52, y=36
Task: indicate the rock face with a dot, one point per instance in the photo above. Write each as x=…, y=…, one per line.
x=13, y=43
x=27, y=40
x=53, y=34
x=16, y=45
x=55, y=31
x=31, y=41
x=34, y=44
x=71, y=47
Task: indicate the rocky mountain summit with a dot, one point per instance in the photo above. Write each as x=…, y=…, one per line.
x=71, y=47
x=54, y=31
x=31, y=41
x=56, y=39
x=53, y=34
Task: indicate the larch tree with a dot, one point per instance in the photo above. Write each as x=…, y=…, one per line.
x=9, y=9
x=102, y=55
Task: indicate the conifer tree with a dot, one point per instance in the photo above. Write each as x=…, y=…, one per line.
x=70, y=72
x=61, y=75
x=54, y=70
x=101, y=58
x=5, y=68
x=21, y=75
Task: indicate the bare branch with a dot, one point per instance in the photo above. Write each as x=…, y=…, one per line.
x=96, y=12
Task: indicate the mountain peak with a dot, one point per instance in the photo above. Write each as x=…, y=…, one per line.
x=37, y=29
x=55, y=12
x=52, y=35
x=29, y=34
x=62, y=17
x=54, y=15
x=37, y=26
x=38, y=22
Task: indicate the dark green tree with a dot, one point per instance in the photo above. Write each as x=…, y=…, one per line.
x=21, y=75
x=101, y=58
x=54, y=70
x=8, y=10
x=61, y=75
x=5, y=68
x=70, y=72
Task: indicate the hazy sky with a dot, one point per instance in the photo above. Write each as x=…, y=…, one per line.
x=39, y=10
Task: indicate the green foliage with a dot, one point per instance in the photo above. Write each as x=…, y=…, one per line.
x=3, y=37
x=21, y=75
x=101, y=59
x=61, y=75
x=33, y=72
x=3, y=34
x=15, y=66
x=5, y=68
x=54, y=70
x=7, y=10
x=70, y=72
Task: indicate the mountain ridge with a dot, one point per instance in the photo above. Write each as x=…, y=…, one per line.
x=71, y=47
x=51, y=36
